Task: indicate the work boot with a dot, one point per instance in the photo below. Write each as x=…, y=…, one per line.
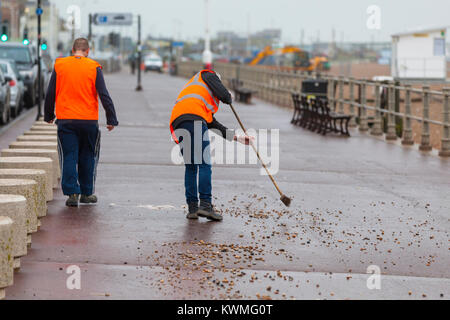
x=73, y=200
x=88, y=199
x=206, y=210
x=193, y=208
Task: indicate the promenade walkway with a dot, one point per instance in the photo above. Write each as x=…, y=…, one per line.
x=357, y=202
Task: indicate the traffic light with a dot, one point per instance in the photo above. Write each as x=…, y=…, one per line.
x=25, y=41
x=4, y=36
x=114, y=39
x=44, y=45
x=111, y=38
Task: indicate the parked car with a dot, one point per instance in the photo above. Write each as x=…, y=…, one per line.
x=27, y=66
x=16, y=85
x=45, y=75
x=153, y=62
x=5, y=110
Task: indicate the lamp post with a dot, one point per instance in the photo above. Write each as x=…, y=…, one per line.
x=207, y=54
x=139, y=60
x=39, y=13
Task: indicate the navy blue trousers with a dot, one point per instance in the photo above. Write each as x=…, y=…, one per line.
x=79, y=150
x=194, y=141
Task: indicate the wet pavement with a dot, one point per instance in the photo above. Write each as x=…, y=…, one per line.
x=357, y=202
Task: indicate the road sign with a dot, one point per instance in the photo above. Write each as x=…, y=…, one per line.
x=113, y=19
x=39, y=11
x=176, y=44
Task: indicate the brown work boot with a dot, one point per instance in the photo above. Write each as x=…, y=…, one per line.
x=88, y=199
x=206, y=210
x=193, y=209
x=73, y=200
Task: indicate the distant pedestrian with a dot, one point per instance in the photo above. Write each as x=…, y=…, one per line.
x=132, y=60
x=73, y=91
x=192, y=116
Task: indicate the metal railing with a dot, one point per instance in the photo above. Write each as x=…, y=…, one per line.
x=395, y=110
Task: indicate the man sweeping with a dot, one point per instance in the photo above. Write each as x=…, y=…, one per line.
x=192, y=116
x=73, y=91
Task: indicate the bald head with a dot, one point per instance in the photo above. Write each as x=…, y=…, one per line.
x=81, y=47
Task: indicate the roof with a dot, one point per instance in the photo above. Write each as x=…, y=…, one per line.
x=420, y=30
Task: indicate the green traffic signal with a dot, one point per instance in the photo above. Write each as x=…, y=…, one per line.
x=26, y=42
x=44, y=46
x=4, y=38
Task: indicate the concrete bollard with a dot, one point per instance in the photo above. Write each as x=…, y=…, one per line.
x=46, y=153
x=33, y=145
x=35, y=202
x=38, y=138
x=41, y=133
x=43, y=128
x=15, y=207
x=32, y=163
x=40, y=176
x=6, y=254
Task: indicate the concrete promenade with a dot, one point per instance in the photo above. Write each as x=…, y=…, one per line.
x=357, y=202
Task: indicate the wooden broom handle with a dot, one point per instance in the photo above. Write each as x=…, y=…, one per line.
x=256, y=151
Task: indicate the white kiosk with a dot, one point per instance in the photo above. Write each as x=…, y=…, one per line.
x=420, y=55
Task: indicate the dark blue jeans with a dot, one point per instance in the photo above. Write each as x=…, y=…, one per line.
x=79, y=150
x=194, y=141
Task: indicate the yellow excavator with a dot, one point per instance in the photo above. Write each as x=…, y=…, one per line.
x=290, y=57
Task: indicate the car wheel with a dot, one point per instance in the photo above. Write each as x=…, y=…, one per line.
x=4, y=116
x=31, y=100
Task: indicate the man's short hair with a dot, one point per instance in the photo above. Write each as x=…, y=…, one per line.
x=81, y=44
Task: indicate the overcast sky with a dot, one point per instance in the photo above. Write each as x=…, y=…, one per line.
x=185, y=18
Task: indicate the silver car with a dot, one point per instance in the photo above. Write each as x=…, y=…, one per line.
x=5, y=111
x=17, y=87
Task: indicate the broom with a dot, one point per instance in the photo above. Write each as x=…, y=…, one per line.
x=286, y=200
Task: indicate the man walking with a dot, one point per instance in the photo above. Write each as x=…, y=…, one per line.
x=192, y=116
x=73, y=91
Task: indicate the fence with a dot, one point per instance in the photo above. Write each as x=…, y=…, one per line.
x=414, y=114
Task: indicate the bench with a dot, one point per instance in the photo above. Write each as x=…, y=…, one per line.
x=241, y=94
x=315, y=114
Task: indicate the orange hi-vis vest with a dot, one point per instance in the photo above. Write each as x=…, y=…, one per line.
x=195, y=98
x=76, y=94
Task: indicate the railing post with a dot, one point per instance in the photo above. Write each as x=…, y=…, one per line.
x=407, y=130
x=351, y=84
x=331, y=93
x=445, y=143
x=341, y=94
x=391, y=132
x=363, y=126
x=425, y=141
x=376, y=128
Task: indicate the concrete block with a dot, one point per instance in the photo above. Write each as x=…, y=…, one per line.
x=38, y=138
x=15, y=207
x=40, y=133
x=28, y=189
x=43, y=123
x=39, y=163
x=46, y=153
x=40, y=176
x=44, y=128
x=33, y=145
x=6, y=253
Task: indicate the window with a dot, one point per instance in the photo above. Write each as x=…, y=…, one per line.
x=19, y=55
x=4, y=67
x=439, y=47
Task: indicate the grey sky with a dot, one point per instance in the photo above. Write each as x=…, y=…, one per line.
x=185, y=18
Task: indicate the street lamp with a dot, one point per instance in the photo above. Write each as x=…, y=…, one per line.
x=207, y=54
